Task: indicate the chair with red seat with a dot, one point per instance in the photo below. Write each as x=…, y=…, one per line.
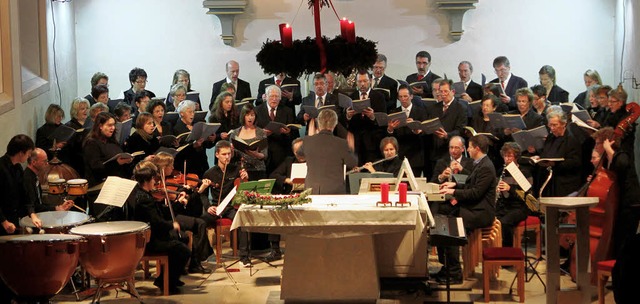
x=223, y=231
x=532, y=223
x=494, y=257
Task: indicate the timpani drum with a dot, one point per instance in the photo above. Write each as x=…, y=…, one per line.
x=56, y=221
x=114, y=249
x=77, y=187
x=36, y=267
x=57, y=186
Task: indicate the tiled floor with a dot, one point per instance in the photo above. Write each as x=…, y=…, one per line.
x=263, y=287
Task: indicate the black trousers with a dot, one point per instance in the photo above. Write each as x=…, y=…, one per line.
x=178, y=254
x=201, y=249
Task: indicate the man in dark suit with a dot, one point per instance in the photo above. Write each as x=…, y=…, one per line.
x=243, y=89
x=453, y=117
x=472, y=90
x=410, y=143
x=318, y=98
x=474, y=201
x=326, y=156
x=279, y=142
x=510, y=83
x=291, y=95
x=382, y=81
x=423, y=62
x=367, y=134
x=138, y=80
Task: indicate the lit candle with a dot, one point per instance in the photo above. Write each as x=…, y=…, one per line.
x=351, y=32
x=286, y=35
x=343, y=27
x=384, y=192
x=402, y=193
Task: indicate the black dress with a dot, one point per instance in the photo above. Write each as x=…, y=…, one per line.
x=136, y=143
x=196, y=157
x=96, y=152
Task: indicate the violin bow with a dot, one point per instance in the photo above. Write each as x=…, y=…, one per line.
x=168, y=201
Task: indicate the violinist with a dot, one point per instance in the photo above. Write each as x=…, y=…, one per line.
x=222, y=177
x=621, y=163
x=196, y=153
x=163, y=241
x=511, y=207
x=187, y=207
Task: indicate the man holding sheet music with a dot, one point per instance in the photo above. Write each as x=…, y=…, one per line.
x=280, y=141
x=367, y=134
x=319, y=98
x=410, y=142
x=243, y=88
x=384, y=82
x=508, y=82
x=424, y=77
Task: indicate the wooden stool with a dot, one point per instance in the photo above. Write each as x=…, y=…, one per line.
x=499, y=256
x=532, y=223
x=472, y=253
x=162, y=262
x=223, y=230
x=604, y=272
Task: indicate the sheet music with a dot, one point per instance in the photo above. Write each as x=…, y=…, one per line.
x=115, y=191
x=518, y=176
x=460, y=226
x=225, y=201
x=298, y=171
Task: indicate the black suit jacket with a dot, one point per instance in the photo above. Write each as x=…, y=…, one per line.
x=411, y=145
x=453, y=122
x=279, y=145
x=366, y=132
x=514, y=84
x=477, y=196
x=566, y=174
x=390, y=84
x=474, y=90
x=583, y=100
x=297, y=96
x=558, y=95
x=426, y=88
x=330, y=99
x=242, y=91
x=443, y=163
x=326, y=155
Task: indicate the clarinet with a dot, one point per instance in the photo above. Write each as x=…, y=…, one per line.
x=498, y=193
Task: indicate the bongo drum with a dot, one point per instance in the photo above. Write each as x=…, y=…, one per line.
x=77, y=187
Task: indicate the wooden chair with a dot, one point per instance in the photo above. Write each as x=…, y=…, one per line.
x=498, y=256
x=162, y=262
x=223, y=232
x=532, y=223
x=604, y=272
x=472, y=253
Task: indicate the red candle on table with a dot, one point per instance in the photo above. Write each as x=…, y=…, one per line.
x=286, y=35
x=402, y=193
x=384, y=192
x=343, y=27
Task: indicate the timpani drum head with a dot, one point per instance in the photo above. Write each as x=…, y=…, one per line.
x=20, y=238
x=110, y=228
x=77, y=181
x=57, y=219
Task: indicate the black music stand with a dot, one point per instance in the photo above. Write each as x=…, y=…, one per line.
x=529, y=266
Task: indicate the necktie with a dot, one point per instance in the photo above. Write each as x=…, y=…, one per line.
x=502, y=84
x=444, y=108
x=420, y=77
x=375, y=82
x=320, y=103
x=465, y=86
x=363, y=96
x=406, y=111
x=272, y=114
x=278, y=82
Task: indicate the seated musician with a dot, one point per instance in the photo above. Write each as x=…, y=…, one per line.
x=511, y=207
x=392, y=164
x=37, y=163
x=621, y=163
x=163, y=241
x=282, y=174
x=222, y=177
x=454, y=163
x=11, y=174
x=473, y=202
x=187, y=207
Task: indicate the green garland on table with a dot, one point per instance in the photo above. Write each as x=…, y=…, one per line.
x=282, y=201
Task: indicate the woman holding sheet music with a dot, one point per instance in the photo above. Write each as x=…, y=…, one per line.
x=142, y=139
x=253, y=160
x=195, y=155
x=100, y=146
x=178, y=93
x=53, y=119
x=79, y=116
x=157, y=109
x=225, y=113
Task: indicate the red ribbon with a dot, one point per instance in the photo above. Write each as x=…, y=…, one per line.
x=316, y=18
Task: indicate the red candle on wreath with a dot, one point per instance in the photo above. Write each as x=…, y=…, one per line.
x=384, y=192
x=402, y=193
x=351, y=32
x=343, y=27
x=286, y=35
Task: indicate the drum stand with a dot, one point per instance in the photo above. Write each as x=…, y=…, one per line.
x=116, y=284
